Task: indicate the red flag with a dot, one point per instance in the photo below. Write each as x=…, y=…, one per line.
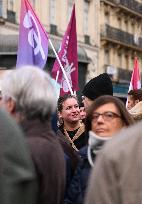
x=135, y=78
x=68, y=57
x=135, y=82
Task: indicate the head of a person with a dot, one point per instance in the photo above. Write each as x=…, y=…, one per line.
x=68, y=109
x=82, y=111
x=28, y=92
x=107, y=115
x=98, y=86
x=134, y=96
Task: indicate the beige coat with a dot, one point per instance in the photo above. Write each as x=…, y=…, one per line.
x=136, y=111
x=117, y=174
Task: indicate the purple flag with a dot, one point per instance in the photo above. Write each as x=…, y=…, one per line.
x=68, y=57
x=33, y=39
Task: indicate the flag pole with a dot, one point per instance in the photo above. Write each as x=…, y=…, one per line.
x=69, y=86
x=57, y=76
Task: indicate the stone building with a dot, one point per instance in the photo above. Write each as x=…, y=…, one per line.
x=54, y=15
x=120, y=40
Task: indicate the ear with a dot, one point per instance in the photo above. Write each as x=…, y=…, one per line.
x=60, y=118
x=10, y=105
x=59, y=115
x=137, y=101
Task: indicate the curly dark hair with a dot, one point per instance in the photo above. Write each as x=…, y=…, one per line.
x=136, y=94
x=62, y=99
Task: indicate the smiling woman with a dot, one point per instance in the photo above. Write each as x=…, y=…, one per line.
x=71, y=132
x=69, y=116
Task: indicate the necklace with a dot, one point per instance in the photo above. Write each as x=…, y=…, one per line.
x=80, y=130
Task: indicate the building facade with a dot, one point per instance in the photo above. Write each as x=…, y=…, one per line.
x=120, y=40
x=54, y=15
x=109, y=34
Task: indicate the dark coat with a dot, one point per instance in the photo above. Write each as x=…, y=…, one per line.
x=77, y=189
x=71, y=157
x=18, y=184
x=80, y=142
x=49, y=161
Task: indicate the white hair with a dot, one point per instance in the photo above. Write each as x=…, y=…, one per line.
x=32, y=90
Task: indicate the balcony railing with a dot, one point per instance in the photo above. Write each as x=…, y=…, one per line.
x=118, y=74
x=11, y=16
x=114, y=34
x=133, y=5
x=130, y=4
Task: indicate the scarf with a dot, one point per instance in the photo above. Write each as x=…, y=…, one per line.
x=95, y=144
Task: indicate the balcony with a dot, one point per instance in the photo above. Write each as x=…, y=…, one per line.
x=129, y=4
x=117, y=74
x=132, y=5
x=11, y=16
x=120, y=37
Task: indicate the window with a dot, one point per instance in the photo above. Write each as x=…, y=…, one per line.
x=131, y=63
x=70, y=6
x=106, y=57
x=126, y=26
x=119, y=23
x=133, y=28
x=33, y=3
x=85, y=16
x=127, y=61
x=119, y=60
x=10, y=5
x=107, y=18
x=52, y=12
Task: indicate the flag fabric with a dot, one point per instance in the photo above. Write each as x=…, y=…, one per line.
x=68, y=57
x=135, y=82
x=33, y=39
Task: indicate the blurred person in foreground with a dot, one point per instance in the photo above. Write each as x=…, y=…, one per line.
x=18, y=182
x=29, y=95
x=105, y=117
x=117, y=175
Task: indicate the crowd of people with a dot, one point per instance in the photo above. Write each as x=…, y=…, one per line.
x=65, y=151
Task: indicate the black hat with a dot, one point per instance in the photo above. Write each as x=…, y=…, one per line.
x=98, y=86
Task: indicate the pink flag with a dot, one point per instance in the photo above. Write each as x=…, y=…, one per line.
x=135, y=82
x=33, y=39
x=68, y=57
x=135, y=78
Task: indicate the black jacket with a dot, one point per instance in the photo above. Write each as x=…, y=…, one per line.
x=77, y=189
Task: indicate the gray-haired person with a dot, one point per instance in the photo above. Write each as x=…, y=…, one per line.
x=29, y=95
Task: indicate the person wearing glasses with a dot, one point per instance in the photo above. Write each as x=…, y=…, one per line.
x=105, y=117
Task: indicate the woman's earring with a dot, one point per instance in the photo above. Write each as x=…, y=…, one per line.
x=60, y=121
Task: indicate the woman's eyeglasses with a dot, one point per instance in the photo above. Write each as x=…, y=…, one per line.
x=107, y=116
